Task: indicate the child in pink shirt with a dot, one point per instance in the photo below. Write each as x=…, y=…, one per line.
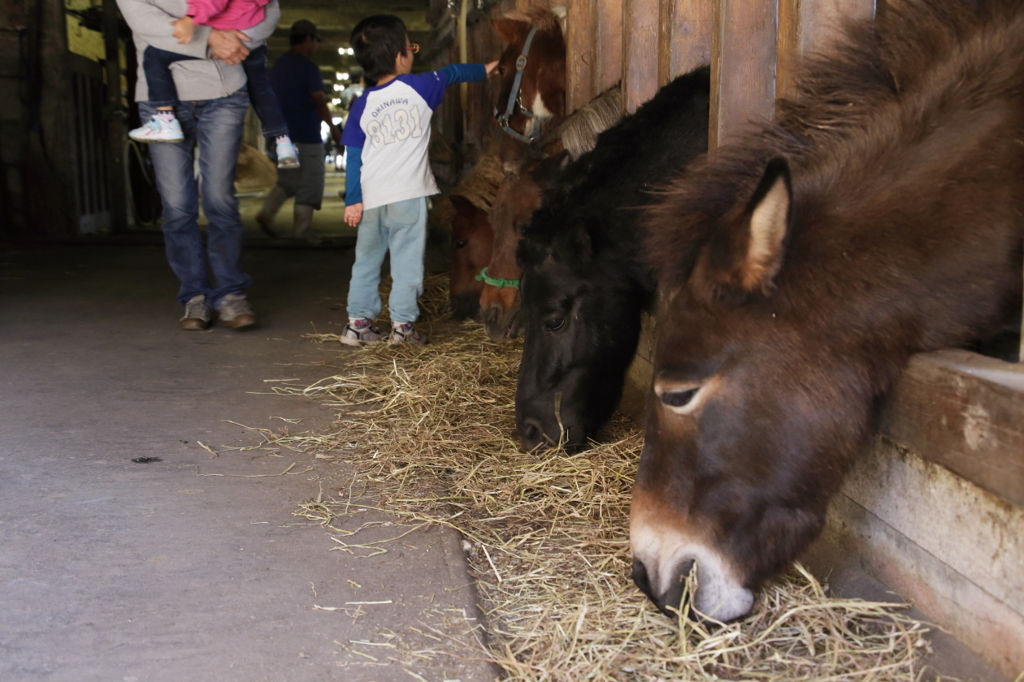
x=156, y=64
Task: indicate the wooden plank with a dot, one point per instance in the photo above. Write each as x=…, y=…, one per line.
x=639, y=62
x=684, y=37
x=580, y=53
x=811, y=26
x=742, y=65
x=965, y=412
x=608, y=68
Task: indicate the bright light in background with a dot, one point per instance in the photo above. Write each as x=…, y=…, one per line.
x=338, y=88
x=339, y=76
x=346, y=50
x=336, y=120
x=336, y=102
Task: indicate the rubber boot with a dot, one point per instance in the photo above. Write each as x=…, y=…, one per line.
x=303, y=217
x=271, y=205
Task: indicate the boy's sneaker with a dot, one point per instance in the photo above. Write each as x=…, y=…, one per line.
x=287, y=155
x=360, y=333
x=197, y=314
x=158, y=130
x=234, y=312
x=405, y=333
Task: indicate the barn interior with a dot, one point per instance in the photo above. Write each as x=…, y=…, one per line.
x=148, y=532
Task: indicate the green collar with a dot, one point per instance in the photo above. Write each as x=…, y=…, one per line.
x=500, y=283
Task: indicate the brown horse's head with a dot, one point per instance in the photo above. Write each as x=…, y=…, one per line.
x=799, y=269
x=519, y=195
x=542, y=88
x=471, y=241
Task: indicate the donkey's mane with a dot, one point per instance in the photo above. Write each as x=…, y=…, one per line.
x=480, y=184
x=579, y=132
x=886, y=82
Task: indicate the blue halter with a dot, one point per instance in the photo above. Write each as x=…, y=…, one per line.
x=514, y=96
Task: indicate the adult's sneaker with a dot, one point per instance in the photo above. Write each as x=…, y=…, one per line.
x=197, y=314
x=234, y=312
x=287, y=155
x=158, y=130
x=406, y=333
x=361, y=332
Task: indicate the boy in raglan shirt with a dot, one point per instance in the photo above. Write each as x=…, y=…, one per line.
x=388, y=175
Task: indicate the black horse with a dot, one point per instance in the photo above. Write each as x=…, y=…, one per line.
x=584, y=281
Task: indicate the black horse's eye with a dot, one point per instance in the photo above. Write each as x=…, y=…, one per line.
x=678, y=398
x=501, y=70
x=461, y=244
x=554, y=324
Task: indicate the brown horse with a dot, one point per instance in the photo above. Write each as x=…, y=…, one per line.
x=471, y=235
x=799, y=269
x=541, y=93
x=520, y=195
x=472, y=240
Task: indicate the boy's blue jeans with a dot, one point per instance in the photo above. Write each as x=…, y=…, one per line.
x=217, y=126
x=400, y=228
x=156, y=64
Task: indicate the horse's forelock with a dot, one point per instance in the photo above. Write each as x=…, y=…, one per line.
x=542, y=18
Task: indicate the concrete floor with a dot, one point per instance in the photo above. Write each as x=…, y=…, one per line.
x=192, y=567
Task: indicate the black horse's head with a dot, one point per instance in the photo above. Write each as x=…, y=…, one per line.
x=580, y=316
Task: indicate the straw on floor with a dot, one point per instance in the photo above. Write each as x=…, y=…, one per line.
x=547, y=534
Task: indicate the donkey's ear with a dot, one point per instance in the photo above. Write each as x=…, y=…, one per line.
x=461, y=204
x=766, y=225
x=745, y=254
x=511, y=31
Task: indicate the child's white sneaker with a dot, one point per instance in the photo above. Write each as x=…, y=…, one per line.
x=287, y=154
x=360, y=332
x=158, y=130
x=406, y=333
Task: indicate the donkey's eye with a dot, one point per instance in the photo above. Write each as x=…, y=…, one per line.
x=678, y=398
x=461, y=244
x=681, y=397
x=554, y=324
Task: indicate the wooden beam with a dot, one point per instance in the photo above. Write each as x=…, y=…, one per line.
x=608, y=68
x=639, y=52
x=812, y=26
x=966, y=412
x=580, y=53
x=742, y=66
x=684, y=37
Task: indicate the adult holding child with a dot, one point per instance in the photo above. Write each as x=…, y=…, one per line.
x=212, y=102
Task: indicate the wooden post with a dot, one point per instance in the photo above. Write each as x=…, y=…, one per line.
x=608, y=68
x=812, y=26
x=114, y=112
x=639, y=52
x=684, y=37
x=580, y=54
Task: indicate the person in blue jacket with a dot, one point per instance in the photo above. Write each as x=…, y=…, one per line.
x=388, y=175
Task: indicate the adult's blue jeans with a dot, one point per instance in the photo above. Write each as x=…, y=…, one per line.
x=400, y=228
x=216, y=125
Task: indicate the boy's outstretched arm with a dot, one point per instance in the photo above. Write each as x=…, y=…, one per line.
x=463, y=73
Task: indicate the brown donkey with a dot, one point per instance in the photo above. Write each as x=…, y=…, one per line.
x=799, y=269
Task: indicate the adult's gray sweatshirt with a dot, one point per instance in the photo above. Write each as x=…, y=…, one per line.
x=195, y=79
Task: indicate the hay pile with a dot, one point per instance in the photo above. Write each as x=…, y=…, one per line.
x=547, y=535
